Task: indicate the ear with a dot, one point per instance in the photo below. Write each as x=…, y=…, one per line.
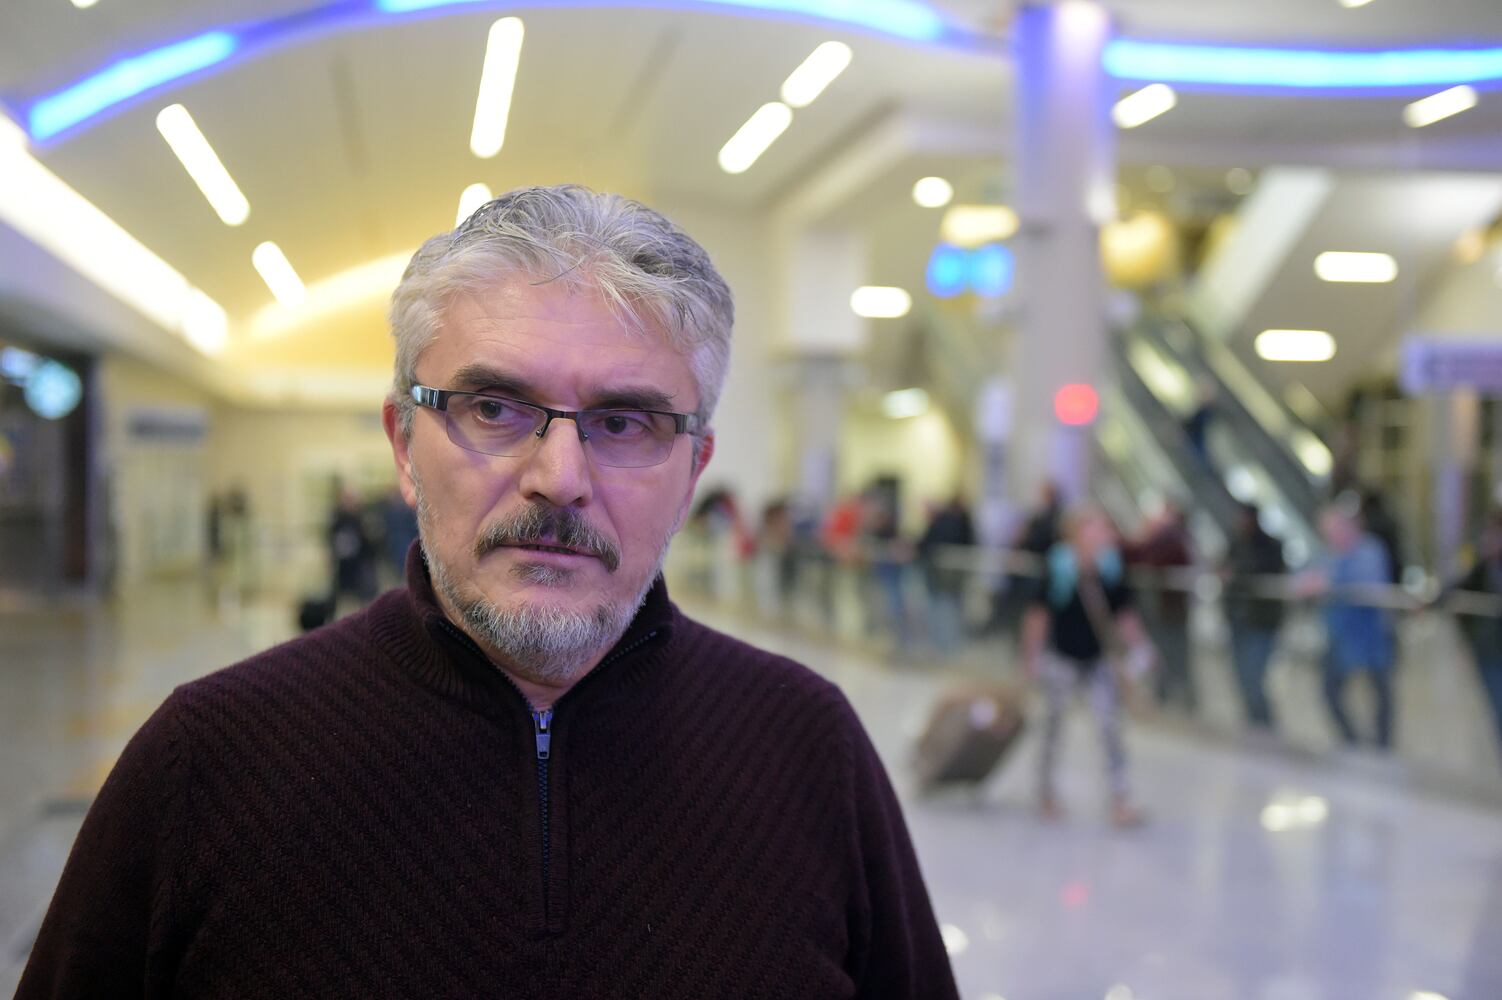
x=703, y=452
x=401, y=451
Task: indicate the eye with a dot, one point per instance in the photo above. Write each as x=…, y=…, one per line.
x=625, y=423
x=493, y=412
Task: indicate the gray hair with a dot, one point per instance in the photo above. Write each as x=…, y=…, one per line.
x=652, y=274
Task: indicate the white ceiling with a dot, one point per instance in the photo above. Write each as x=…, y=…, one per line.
x=354, y=145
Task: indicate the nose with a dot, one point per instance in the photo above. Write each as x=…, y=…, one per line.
x=557, y=469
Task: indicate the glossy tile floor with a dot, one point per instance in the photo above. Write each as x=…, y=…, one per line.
x=1260, y=876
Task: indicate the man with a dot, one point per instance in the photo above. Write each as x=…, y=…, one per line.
x=526, y=774
x=1166, y=549
x=1253, y=556
x=1359, y=634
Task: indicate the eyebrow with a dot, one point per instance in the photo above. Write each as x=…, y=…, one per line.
x=477, y=376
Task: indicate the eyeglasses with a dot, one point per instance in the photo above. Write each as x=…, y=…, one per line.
x=495, y=425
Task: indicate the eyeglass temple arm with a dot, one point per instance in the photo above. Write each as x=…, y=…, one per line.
x=425, y=396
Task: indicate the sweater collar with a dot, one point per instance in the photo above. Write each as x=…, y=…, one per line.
x=437, y=653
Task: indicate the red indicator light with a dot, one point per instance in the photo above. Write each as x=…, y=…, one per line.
x=1076, y=405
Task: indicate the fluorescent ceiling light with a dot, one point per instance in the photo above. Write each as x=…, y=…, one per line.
x=880, y=302
x=120, y=81
x=815, y=73
x=1365, y=268
x=753, y=138
x=1439, y=106
x=1312, y=452
x=1298, y=69
x=37, y=204
x=904, y=403
x=933, y=192
x=1142, y=106
x=470, y=199
x=202, y=164
x=365, y=284
x=974, y=225
x=503, y=53
x=277, y=271
x=1352, y=4
x=84, y=4
x=1295, y=345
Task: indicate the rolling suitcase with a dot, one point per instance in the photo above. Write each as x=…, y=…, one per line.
x=971, y=730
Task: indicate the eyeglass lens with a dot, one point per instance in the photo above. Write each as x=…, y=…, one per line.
x=626, y=439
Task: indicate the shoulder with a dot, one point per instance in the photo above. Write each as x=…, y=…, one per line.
x=292, y=678
x=736, y=661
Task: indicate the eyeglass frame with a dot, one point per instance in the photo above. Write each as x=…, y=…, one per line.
x=438, y=401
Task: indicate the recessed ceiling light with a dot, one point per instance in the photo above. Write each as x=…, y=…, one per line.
x=202, y=164
x=1239, y=180
x=975, y=225
x=1352, y=4
x=84, y=4
x=1364, y=268
x=903, y=403
x=815, y=73
x=752, y=139
x=277, y=271
x=503, y=53
x=880, y=302
x=1440, y=106
x=1142, y=106
x=470, y=199
x=933, y=192
x=1295, y=345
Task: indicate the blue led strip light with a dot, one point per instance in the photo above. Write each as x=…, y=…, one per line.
x=1300, y=69
x=903, y=18
x=125, y=79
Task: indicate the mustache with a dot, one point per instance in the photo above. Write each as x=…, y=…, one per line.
x=544, y=524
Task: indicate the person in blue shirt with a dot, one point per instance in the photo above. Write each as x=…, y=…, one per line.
x=1359, y=633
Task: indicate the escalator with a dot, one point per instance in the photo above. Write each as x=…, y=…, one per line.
x=1148, y=451
x=1287, y=450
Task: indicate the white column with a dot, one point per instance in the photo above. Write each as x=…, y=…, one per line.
x=1065, y=183
x=822, y=265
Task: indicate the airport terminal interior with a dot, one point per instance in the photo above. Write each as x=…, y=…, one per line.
x=1229, y=274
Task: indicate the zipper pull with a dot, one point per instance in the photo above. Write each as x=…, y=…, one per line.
x=542, y=721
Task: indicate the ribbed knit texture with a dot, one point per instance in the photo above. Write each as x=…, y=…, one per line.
x=356, y=814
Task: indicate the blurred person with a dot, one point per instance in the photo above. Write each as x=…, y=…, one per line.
x=1254, y=620
x=1067, y=639
x=1196, y=425
x=1166, y=546
x=524, y=773
x=949, y=526
x=1482, y=629
x=399, y=530
x=1038, y=533
x=778, y=544
x=351, y=552
x=889, y=555
x=1381, y=525
x=1359, y=637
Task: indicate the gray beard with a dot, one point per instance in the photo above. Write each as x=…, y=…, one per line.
x=544, y=645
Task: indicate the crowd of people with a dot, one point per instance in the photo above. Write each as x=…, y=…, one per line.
x=928, y=592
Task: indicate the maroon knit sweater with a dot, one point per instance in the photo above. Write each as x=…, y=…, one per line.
x=362, y=812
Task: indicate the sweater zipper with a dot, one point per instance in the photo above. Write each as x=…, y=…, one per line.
x=542, y=731
x=542, y=723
